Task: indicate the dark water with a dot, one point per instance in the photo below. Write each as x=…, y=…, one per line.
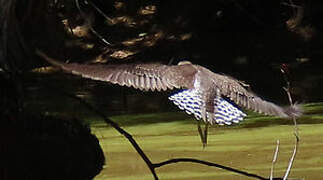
x=45, y=92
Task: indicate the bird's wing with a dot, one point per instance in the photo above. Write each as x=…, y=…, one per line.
x=234, y=90
x=140, y=76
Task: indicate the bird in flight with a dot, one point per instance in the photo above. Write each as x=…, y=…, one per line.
x=211, y=97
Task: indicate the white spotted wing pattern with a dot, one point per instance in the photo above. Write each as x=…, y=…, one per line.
x=224, y=112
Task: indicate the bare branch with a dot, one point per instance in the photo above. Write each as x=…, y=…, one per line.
x=291, y=5
x=290, y=164
x=287, y=89
x=274, y=161
x=89, y=24
x=100, y=11
x=177, y=160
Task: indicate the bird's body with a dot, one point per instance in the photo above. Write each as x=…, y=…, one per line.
x=213, y=97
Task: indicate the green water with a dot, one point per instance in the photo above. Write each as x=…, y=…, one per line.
x=248, y=146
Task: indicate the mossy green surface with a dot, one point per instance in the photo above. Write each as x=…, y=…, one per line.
x=248, y=146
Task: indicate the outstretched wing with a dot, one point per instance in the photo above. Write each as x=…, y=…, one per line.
x=234, y=90
x=140, y=76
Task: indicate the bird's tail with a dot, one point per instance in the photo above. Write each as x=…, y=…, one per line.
x=224, y=112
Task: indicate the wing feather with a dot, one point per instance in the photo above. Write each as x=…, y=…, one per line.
x=108, y=78
x=136, y=79
x=121, y=79
x=233, y=89
x=114, y=79
x=153, y=83
x=158, y=84
x=140, y=76
x=147, y=83
x=142, y=84
x=130, y=81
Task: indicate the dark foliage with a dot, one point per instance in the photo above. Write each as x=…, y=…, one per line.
x=48, y=148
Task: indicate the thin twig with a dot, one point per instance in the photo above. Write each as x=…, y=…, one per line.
x=177, y=160
x=274, y=161
x=291, y=5
x=290, y=164
x=100, y=11
x=291, y=161
x=170, y=62
x=89, y=24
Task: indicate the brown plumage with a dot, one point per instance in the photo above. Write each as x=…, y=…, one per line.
x=206, y=94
